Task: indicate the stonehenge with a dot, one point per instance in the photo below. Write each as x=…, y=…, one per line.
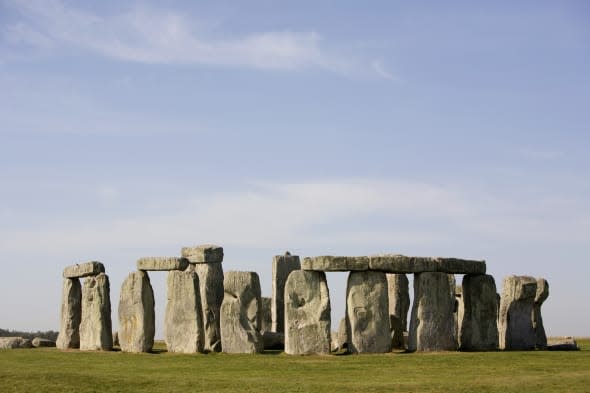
x=399, y=304
x=265, y=314
x=95, y=325
x=540, y=297
x=515, y=322
x=478, y=315
x=282, y=266
x=137, y=322
x=71, y=314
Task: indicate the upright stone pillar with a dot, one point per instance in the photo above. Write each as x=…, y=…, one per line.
x=183, y=325
x=399, y=304
x=71, y=314
x=540, y=297
x=307, y=313
x=282, y=266
x=432, y=327
x=478, y=328
x=137, y=323
x=367, y=312
x=266, y=315
x=95, y=329
x=515, y=325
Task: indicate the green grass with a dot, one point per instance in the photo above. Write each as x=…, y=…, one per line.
x=50, y=370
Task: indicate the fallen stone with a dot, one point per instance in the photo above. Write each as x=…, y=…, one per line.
x=478, y=316
x=307, y=313
x=399, y=304
x=540, y=297
x=96, y=328
x=15, y=343
x=162, y=263
x=515, y=325
x=39, y=342
x=83, y=270
x=460, y=266
x=282, y=266
x=71, y=314
x=328, y=263
x=265, y=315
x=562, y=344
x=395, y=263
x=206, y=253
x=137, y=324
x=273, y=340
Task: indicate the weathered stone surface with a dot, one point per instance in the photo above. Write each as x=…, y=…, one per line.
x=562, y=344
x=282, y=266
x=240, y=313
x=137, y=323
x=540, y=297
x=395, y=263
x=265, y=315
x=515, y=325
x=183, y=323
x=83, y=270
x=273, y=340
x=206, y=253
x=460, y=266
x=399, y=304
x=115, y=338
x=307, y=313
x=71, y=314
x=432, y=326
x=343, y=336
x=367, y=312
x=39, y=342
x=162, y=263
x=14, y=343
x=478, y=315
x=328, y=263
x=96, y=328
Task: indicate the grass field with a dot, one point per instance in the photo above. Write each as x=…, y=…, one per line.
x=50, y=370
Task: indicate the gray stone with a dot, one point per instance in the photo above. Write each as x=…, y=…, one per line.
x=478, y=315
x=183, y=323
x=367, y=312
x=307, y=313
x=328, y=263
x=240, y=313
x=399, y=304
x=282, y=266
x=515, y=325
x=432, y=326
x=162, y=263
x=39, y=342
x=540, y=297
x=71, y=314
x=137, y=324
x=96, y=328
x=206, y=253
x=395, y=263
x=265, y=315
x=343, y=336
x=83, y=270
x=273, y=340
x=562, y=344
x=460, y=266
x=14, y=343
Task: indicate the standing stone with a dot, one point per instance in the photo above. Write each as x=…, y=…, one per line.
x=71, y=314
x=515, y=325
x=477, y=319
x=282, y=266
x=432, y=327
x=183, y=323
x=240, y=313
x=95, y=329
x=307, y=313
x=343, y=336
x=367, y=312
x=540, y=297
x=265, y=315
x=137, y=322
x=399, y=304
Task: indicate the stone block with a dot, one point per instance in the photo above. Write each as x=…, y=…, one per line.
x=540, y=297
x=460, y=266
x=137, y=322
x=15, y=343
x=265, y=314
x=395, y=263
x=478, y=328
x=328, y=263
x=83, y=270
x=96, y=327
x=71, y=314
x=39, y=342
x=162, y=263
x=282, y=266
x=206, y=253
x=515, y=322
x=399, y=304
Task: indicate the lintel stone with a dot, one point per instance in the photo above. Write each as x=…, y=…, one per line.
x=86, y=269
x=205, y=253
x=162, y=263
x=328, y=263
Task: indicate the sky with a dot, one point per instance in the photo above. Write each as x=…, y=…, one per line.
x=132, y=129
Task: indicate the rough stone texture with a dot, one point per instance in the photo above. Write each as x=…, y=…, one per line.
x=282, y=266
x=307, y=313
x=265, y=315
x=95, y=328
x=240, y=313
x=562, y=344
x=399, y=304
x=115, y=338
x=432, y=327
x=395, y=263
x=367, y=312
x=273, y=340
x=14, y=343
x=478, y=314
x=343, y=336
x=183, y=322
x=39, y=342
x=206, y=253
x=71, y=314
x=328, y=263
x=162, y=263
x=540, y=297
x=83, y=270
x=515, y=325
x=137, y=323
x=460, y=266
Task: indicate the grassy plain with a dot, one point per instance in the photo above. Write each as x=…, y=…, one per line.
x=50, y=370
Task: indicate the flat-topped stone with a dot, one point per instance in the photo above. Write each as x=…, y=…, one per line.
x=86, y=269
x=162, y=263
x=205, y=253
x=395, y=263
x=460, y=266
x=328, y=263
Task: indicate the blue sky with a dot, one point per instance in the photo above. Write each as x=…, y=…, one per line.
x=131, y=129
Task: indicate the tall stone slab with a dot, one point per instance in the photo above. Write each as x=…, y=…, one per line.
x=96, y=328
x=399, y=304
x=183, y=322
x=540, y=297
x=282, y=266
x=515, y=323
x=137, y=323
x=432, y=326
x=477, y=321
x=240, y=313
x=71, y=314
x=307, y=313
x=367, y=312
x=265, y=314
